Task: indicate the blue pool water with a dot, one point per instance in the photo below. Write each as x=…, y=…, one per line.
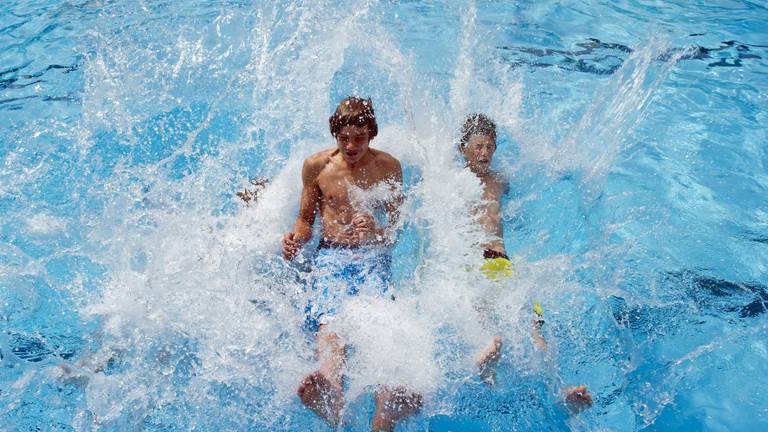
x=137, y=292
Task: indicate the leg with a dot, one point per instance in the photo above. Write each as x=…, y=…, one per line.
x=392, y=405
x=487, y=361
x=321, y=391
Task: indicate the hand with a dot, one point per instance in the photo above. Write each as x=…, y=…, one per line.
x=291, y=246
x=364, y=226
x=577, y=399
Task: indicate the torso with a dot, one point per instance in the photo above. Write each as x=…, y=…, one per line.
x=337, y=182
x=489, y=212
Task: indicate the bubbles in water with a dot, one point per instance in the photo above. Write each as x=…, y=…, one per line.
x=199, y=319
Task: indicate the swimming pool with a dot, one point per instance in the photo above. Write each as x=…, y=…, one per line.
x=633, y=134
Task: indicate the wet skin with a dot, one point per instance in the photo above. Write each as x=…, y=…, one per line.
x=327, y=177
x=478, y=153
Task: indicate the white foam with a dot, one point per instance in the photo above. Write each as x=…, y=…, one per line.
x=46, y=224
x=179, y=272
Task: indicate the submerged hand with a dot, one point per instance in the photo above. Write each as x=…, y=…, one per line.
x=291, y=246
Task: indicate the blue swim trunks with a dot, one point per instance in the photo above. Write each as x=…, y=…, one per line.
x=340, y=272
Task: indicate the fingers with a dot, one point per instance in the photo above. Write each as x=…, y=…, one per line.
x=364, y=233
x=290, y=246
x=363, y=219
x=363, y=226
x=290, y=239
x=288, y=253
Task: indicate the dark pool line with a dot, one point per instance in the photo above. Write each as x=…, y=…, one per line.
x=67, y=98
x=7, y=104
x=8, y=82
x=15, y=68
x=604, y=58
x=11, y=27
x=758, y=239
x=745, y=299
x=34, y=348
x=5, y=101
x=19, y=86
x=724, y=288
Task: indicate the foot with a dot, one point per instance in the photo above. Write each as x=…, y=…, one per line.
x=538, y=338
x=577, y=399
x=323, y=396
x=393, y=406
x=486, y=363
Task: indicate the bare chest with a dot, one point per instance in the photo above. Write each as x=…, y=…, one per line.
x=343, y=188
x=492, y=191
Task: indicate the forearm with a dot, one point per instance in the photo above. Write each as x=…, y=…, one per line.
x=302, y=231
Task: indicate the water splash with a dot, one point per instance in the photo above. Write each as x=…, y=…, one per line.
x=184, y=314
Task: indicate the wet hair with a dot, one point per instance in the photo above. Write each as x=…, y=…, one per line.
x=476, y=124
x=354, y=111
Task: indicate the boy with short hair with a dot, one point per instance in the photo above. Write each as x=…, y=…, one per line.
x=477, y=145
x=353, y=255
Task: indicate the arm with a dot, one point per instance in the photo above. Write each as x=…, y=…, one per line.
x=310, y=200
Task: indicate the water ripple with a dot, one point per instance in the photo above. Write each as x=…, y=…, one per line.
x=604, y=58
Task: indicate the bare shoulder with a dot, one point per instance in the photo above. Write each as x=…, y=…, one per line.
x=315, y=163
x=386, y=161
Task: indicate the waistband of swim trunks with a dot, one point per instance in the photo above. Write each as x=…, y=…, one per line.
x=491, y=254
x=329, y=244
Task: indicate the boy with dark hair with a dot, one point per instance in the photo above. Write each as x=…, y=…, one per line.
x=353, y=256
x=478, y=144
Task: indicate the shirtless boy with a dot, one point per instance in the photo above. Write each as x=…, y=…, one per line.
x=478, y=145
x=353, y=255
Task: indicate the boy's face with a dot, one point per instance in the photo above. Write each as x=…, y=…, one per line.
x=352, y=142
x=479, y=153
